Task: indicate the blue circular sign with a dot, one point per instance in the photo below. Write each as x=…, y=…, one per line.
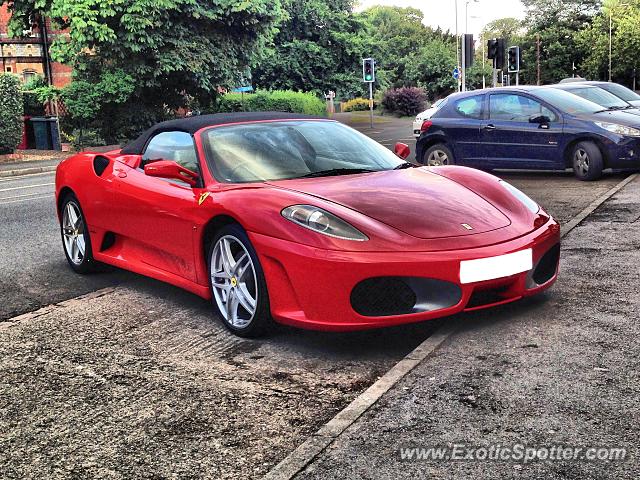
x=456, y=73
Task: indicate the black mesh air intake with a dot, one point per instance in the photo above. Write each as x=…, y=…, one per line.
x=100, y=164
x=547, y=266
x=383, y=296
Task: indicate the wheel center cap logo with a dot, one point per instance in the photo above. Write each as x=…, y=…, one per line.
x=234, y=282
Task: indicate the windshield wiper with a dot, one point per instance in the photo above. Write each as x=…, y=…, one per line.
x=337, y=171
x=404, y=165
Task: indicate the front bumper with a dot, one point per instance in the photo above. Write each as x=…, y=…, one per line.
x=312, y=288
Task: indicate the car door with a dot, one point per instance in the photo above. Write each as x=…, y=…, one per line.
x=462, y=128
x=511, y=139
x=157, y=215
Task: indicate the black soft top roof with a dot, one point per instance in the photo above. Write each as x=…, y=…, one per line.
x=195, y=123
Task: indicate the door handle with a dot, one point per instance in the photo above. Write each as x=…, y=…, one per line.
x=489, y=127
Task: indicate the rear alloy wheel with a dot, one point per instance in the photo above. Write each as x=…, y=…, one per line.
x=75, y=236
x=437, y=155
x=587, y=161
x=237, y=283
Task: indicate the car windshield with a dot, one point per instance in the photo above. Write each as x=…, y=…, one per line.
x=621, y=91
x=599, y=96
x=282, y=150
x=566, y=102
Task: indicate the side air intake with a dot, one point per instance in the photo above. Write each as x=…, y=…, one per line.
x=100, y=164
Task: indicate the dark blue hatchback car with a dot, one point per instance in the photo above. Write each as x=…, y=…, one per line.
x=530, y=128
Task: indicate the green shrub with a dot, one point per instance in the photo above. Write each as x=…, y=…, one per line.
x=276, y=100
x=405, y=101
x=356, y=105
x=11, y=112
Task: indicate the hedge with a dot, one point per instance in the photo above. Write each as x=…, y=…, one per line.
x=356, y=105
x=11, y=112
x=276, y=100
x=406, y=101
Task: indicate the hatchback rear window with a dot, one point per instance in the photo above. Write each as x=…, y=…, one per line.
x=469, y=107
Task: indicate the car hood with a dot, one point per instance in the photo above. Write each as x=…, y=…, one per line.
x=621, y=117
x=415, y=201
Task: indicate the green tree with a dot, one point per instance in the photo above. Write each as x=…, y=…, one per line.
x=625, y=20
x=556, y=24
x=10, y=113
x=173, y=49
x=318, y=48
x=431, y=68
x=397, y=36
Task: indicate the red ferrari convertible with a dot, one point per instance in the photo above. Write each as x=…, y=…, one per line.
x=303, y=221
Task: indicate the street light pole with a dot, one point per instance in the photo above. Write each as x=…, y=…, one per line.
x=610, y=25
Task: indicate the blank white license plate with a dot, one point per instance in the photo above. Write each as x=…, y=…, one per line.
x=496, y=267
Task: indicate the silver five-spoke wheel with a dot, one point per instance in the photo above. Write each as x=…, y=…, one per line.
x=437, y=158
x=73, y=233
x=581, y=161
x=233, y=278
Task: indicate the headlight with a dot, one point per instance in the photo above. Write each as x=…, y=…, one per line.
x=619, y=129
x=523, y=197
x=323, y=222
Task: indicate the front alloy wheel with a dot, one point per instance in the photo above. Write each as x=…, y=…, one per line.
x=75, y=236
x=237, y=283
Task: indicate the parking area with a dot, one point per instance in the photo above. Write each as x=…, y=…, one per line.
x=119, y=376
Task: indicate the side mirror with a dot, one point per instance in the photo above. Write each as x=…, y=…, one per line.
x=541, y=119
x=402, y=150
x=171, y=169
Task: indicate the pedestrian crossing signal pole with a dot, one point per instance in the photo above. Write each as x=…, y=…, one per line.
x=369, y=76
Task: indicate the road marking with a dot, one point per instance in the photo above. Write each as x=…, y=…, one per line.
x=13, y=179
x=318, y=442
x=23, y=195
x=27, y=186
x=47, y=196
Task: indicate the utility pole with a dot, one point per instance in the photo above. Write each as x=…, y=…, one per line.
x=483, y=59
x=538, y=56
x=463, y=71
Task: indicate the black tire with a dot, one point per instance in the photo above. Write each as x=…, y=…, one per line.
x=587, y=161
x=260, y=320
x=442, y=152
x=83, y=262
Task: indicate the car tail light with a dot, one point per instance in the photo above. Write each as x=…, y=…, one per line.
x=426, y=125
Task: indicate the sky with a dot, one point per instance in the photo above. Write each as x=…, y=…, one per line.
x=442, y=12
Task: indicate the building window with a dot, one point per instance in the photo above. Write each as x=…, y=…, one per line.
x=8, y=69
x=28, y=75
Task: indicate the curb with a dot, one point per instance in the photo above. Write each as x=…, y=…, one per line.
x=318, y=442
x=27, y=171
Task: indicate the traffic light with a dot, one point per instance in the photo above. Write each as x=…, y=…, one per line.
x=369, y=70
x=513, y=64
x=468, y=49
x=498, y=59
x=492, y=48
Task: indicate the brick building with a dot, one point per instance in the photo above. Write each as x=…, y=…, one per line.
x=28, y=56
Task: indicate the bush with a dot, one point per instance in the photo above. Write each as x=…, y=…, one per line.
x=276, y=100
x=11, y=112
x=356, y=105
x=405, y=101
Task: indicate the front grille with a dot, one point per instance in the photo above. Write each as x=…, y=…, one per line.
x=547, y=266
x=383, y=296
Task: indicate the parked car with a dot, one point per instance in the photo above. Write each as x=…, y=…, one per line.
x=598, y=95
x=305, y=221
x=530, y=128
x=421, y=117
x=618, y=90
